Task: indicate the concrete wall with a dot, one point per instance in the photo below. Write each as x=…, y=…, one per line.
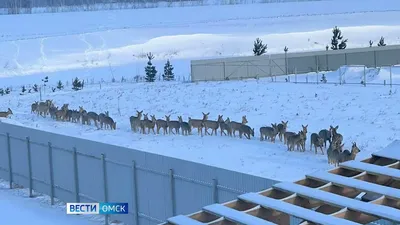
x=76, y=170
x=290, y=63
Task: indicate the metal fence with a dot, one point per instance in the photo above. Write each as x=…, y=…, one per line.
x=289, y=63
x=355, y=75
x=77, y=170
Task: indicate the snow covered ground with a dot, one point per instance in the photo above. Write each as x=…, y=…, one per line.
x=98, y=45
x=87, y=43
x=364, y=114
x=18, y=209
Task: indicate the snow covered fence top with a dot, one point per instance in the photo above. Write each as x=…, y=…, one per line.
x=320, y=198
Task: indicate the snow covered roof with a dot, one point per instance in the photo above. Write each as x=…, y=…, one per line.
x=320, y=198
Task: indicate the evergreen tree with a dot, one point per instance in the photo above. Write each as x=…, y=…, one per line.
x=259, y=48
x=77, y=84
x=381, y=42
x=1, y=91
x=370, y=43
x=45, y=80
x=23, y=89
x=60, y=85
x=337, y=36
x=35, y=88
x=168, y=72
x=150, y=70
x=323, y=78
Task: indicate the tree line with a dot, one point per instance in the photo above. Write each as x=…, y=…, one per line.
x=58, y=3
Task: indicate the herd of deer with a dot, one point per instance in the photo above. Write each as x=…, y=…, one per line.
x=75, y=116
x=335, y=151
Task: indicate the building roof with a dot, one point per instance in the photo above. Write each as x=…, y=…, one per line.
x=329, y=198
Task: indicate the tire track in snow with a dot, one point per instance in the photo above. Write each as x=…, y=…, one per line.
x=89, y=48
x=43, y=56
x=103, y=42
x=16, y=55
x=103, y=48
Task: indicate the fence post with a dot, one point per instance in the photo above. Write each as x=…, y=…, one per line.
x=224, y=69
x=270, y=68
x=28, y=144
x=135, y=195
x=286, y=64
x=10, y=174
x=51, y=173
x=340, y=75
x=215, y=190
x=103, y=163
x=365, y=79
x=76, y=178
x=247, y=70
x=172, y=186
x=295, y=75
x=40, y=93
x=191, y=72
x=390, y=78
x=327, y=61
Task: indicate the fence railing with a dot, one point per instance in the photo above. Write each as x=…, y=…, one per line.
x=355, y=75
x=77, y=170
x=219, y=69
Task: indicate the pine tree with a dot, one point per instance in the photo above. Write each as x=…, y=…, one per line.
x=343, y=44
x=381, y=42
x=77, y=84
x=35, y=88
x=23, y=89
x=150, y=70
x=259, y=48
x=168, y=74
x=45, y=80
x=323, y=78
x=60, y=85
x=337, y=36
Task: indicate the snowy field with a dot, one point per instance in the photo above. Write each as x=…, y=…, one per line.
x=89, y=44
x=18, y=209
x=96, y=46
x=263, y=102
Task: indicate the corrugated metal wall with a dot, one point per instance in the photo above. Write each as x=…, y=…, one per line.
x=290, y=63
x=77, y=170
